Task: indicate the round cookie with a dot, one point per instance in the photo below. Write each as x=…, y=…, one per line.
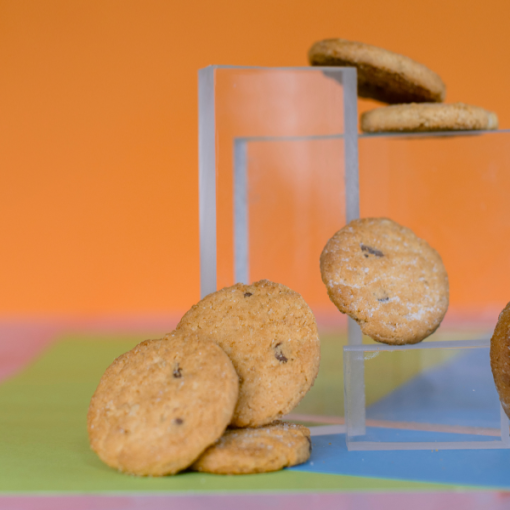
x=160, y=405
x=390, y=281
x=257, y=450
x=382, y=75
x=427, y=117
x=500, y=358
x=270, y=334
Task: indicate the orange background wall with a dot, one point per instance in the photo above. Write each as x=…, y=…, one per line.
x=98, y=126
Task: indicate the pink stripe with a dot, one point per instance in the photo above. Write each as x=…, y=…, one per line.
x=22, y=340
x=324, y=501
x=157, y=325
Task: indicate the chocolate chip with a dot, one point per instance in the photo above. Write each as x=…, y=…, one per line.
x=381, y=295
x=372, y=251
x=178, y=421
x=177, y=371
x=279, y=354
x=248, y=294
x=280, y=357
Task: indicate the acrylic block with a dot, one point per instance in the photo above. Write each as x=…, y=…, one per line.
x=451, y=189
x=278, y=174
x=427, y=396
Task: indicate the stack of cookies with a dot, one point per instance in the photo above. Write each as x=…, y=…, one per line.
x=415, y=92
x=241, y=358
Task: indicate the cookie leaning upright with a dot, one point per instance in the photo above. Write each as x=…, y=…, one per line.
x=257, y=450
x=160, y=405
x=382, y=75
x=390, y=281
x=500, y=358
x=270, y=334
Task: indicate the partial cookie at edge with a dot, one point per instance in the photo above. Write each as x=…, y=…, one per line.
x=500, y=358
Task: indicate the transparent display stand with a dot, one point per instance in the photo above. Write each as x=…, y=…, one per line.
x=278, y=175
x=452, y=189
x=277, y=152
x=454, y=406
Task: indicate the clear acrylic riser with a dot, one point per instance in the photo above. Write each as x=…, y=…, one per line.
x=279, y=175
x=450, y=403
x=451, y=189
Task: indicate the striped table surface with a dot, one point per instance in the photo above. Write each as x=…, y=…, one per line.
x=49, y=375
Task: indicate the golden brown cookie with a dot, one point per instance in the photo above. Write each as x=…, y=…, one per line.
x=382, y=75
x=390, y=281
x=271, y=336
x=160, y=405
x=500, y=358
x=428, y=117
x=257, y=450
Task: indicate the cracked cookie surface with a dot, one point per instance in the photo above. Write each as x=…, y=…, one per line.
x=257, y=450
x=270, y=334
x=390, y=281
x=160, y=405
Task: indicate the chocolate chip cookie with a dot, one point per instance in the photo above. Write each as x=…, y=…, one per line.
x=270, y=334
x=428, y=117
x=257, y=450
x=382, y=75
x=160, y=405
x=500, y=358
x=390, y=281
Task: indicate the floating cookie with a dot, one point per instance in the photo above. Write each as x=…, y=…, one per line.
x=428, y=117
x=270, y=334
x=160, y=405
x=257, y=450
x=387, y=279
x=382, y=74
x=500, y=358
